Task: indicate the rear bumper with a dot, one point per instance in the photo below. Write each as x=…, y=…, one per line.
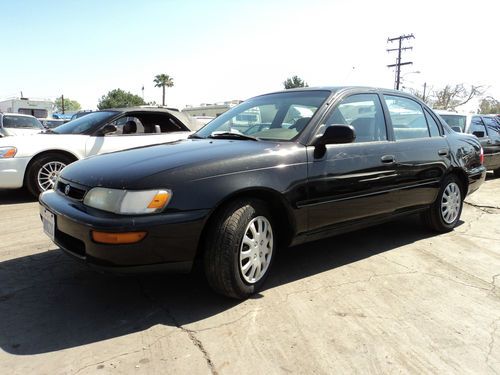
x=170, y=244
x=476, y=178
x=12, y=172
x=492, y=161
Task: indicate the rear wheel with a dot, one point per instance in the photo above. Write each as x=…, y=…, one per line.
x=43, y=172
x=496, y=172
x=445, y=212
x=240, y=249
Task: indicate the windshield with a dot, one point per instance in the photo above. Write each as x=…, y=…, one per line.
x=85, y=123
x=279, y=116
x=455, y=120
x=21, y=122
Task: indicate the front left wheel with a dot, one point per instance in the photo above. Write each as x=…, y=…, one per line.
x=240, y=248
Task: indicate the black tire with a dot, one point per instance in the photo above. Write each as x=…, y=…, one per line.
x=31, y=180
x=224, y=243
x=496, y=172
x=434, y=217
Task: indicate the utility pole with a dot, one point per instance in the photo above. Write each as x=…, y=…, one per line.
x=425, y=88
x=398, y=64
x=62, y=101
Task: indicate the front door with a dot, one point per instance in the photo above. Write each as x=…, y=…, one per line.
x=352, y=181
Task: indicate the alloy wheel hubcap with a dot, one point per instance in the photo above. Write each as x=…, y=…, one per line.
x=47, y=175
x=450, y=203
x=256, y=249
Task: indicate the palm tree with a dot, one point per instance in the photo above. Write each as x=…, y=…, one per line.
x=163, y=80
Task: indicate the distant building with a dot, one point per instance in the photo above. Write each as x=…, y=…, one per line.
x=40, y=108
x=210, y=110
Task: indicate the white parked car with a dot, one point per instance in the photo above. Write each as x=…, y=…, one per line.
x=18, y=124
x=35, y=161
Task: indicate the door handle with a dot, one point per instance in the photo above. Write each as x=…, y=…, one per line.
x=443, y=152
x=388, y=159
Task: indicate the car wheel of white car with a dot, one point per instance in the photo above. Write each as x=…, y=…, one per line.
x=43, y=172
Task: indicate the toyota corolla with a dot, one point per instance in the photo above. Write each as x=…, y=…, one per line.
x=278, y=170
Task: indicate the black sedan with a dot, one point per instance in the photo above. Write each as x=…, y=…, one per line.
x=277, y=170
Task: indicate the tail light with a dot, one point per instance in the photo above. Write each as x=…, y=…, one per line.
x=481, y=156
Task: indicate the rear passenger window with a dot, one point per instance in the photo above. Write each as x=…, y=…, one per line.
x=407, y=116
x=364, y=113
x=433, y=126
x=477, y=127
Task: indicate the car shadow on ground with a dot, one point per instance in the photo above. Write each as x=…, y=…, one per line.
x=49, y=302
x=16, y=196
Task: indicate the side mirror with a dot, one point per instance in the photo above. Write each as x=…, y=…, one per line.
x=479, y=134
x=458, y=129
x=106, y=130
x=335, y=134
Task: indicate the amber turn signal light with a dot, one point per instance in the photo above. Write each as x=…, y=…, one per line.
x=117, y=238
x=160, y=200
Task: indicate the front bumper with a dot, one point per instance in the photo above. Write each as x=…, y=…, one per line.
x=12, y=172
x=170, y=244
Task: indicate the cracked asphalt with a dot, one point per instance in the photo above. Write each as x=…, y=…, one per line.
x=389, y=299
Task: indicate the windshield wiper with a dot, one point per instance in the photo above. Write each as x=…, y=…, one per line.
x=230, y=135
x=195, y=136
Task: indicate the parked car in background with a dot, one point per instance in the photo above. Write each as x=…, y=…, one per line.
x=17, y=124
x=457, y=121
x=35, y=161
x=80, y=114
x=488, y=131
x=204, y=119
x=51, y=123
x=318, y=162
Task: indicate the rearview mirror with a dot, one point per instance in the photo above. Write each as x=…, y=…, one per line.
x=478, y=134
x=335, y=134
x=106, y=130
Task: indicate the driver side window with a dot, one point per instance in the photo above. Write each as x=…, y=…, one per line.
x=128, y=125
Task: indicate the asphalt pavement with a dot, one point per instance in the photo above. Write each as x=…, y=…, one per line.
x=394, y=298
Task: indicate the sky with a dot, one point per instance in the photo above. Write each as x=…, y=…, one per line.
x=222, y=50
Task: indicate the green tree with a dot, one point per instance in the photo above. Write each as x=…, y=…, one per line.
x=69, y=105
x=489, y=105
x=293, y=82
x=163, y=80
x=119, y=98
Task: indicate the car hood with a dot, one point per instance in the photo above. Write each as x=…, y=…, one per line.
x=13, y=132
x=167, y=164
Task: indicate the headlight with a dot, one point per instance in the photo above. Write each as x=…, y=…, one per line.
x=128, y=202
x=7, y=152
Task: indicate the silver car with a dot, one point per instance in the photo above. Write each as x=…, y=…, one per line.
x=17, y=124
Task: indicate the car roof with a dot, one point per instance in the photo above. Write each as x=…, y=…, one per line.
x=15, y=114
x=334, y=89
x=443, y=112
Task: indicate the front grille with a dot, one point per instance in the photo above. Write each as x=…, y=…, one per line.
x=70, y=190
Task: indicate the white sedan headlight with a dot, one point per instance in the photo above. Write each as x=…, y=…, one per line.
x=125, y=202
x=7, y=152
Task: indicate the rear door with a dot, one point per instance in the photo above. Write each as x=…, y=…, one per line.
x=421, y=151
x=352, y=181
x=490, y=142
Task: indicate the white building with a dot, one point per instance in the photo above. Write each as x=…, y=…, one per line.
x=40, y=108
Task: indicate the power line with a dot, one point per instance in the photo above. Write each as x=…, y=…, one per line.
x=399, y=39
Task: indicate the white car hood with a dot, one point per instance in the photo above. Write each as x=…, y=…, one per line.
x=14, y=131
x=81, y=145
